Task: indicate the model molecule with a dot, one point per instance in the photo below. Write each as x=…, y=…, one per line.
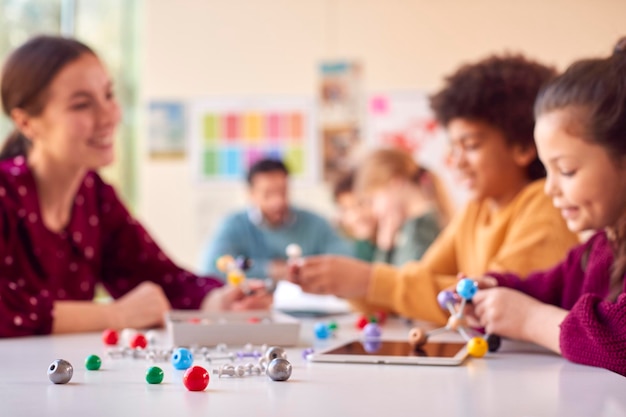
x=60, y=371
x=234, y=268
x=294, y=260
x=379, y=317
x=476, y=346
x=273, y=363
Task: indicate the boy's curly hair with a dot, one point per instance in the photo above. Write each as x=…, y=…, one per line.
x=499, y=90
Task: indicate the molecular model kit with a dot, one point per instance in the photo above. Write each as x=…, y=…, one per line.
x=248, y=361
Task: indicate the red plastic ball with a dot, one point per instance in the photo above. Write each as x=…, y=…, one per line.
x=362, y=322
x=381, y=317
x=254, y=320
x=110, y=337
x=196, y=378
x=138, y=341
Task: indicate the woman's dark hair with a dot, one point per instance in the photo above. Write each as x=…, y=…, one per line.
x=501, y=91
x=26, y=76
x=594, y=93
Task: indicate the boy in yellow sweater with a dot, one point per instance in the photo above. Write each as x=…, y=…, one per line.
x=509, y=224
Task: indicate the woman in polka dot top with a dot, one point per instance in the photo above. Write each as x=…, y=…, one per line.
x=62, y=228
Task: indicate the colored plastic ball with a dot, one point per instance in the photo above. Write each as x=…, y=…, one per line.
x=154, y=375
x=275, y=352
x=152, y=337
x=110, y=337
x=235, y=278
x=243, y=263
x=445, y=298
x=381, y=317
x=223, y=263
x=361, y=322
x=306, y=352
x=138, y=341
x=467, y=288
x=417, y=337
x=93, y=363
x=196, y=378
x=126, y=335
x=279, y=369
x=493, y=341
x=477, y=347
x=182, y=358
x=372, y=331
x=333, y=326
x=321, y=331
x=293, y=251
x=60, y=371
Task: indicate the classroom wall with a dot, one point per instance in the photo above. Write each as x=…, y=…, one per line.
x=195, y=48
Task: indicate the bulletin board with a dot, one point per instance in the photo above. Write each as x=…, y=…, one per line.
x=229, y=134
x=403, y=119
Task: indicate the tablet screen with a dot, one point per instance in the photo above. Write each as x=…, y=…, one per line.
x=397, y=348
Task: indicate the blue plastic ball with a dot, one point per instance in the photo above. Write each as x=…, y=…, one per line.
x=444, y=298
x=321, y=331
x=182, y=358
x=467, y=288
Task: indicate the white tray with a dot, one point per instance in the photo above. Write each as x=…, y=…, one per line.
x=197, y=328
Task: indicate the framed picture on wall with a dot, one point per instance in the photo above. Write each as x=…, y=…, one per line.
x=166, y=129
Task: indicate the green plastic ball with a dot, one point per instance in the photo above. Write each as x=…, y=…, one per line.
x=332, y=326
x=93, y=362
x=154, y=375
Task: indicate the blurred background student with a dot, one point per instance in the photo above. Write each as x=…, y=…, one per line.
x=394, y=207
x=263, y=230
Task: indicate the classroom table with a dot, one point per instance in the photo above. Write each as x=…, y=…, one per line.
x=518, y=380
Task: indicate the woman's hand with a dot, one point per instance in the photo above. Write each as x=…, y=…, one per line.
x=250, y=296
x=330, y=274
x=142, y=307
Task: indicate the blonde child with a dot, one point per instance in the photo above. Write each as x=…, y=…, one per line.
x=408, y=203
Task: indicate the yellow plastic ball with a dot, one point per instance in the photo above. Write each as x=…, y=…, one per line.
x=477, y=347
x=235, y=278
x=224, y=262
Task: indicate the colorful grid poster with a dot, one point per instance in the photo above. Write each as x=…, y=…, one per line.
x=230, y=134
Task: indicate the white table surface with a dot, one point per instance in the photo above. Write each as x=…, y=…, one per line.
x=519, y=380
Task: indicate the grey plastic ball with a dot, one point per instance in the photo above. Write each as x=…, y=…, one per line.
x=275, y=352
x=279, y=369
x=60, y=371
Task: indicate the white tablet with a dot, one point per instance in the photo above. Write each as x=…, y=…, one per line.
x=397, y=352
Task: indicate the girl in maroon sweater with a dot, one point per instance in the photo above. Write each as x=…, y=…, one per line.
x=578, y=308
x=62, y=229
